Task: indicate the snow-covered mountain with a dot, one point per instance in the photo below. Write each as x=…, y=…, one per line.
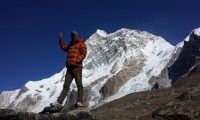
x=117, y=64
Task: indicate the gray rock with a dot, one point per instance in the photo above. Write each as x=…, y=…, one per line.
x=173, y=111
x=77, y=114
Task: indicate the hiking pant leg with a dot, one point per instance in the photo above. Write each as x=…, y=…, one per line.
x=66, y=86
x=78, y=78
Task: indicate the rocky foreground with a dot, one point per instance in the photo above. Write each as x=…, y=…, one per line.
x=179, y=102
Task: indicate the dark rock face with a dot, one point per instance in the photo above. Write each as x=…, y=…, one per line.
x=187, y=59
x=23, y=90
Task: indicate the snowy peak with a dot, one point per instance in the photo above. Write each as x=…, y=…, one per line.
x=197, y=31
x=128, y=58
x=96, y=37
x=122, y=40
x=127, y=35
x=101, y=33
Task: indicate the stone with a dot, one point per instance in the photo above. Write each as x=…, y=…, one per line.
x=173, y=111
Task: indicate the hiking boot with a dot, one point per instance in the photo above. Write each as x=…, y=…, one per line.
x=79, y=104
x=56, y=104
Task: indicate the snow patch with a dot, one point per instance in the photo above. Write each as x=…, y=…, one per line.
x=197, y=31
x=101, y=33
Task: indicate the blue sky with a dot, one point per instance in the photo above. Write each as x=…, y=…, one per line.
x=29, y=48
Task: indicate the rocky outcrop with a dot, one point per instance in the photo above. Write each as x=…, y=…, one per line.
x=187, y=58
x=132, y=67
x=78, y=114
x=22, y=90
x=162, y=80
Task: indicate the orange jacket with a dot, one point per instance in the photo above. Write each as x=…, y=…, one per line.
x=76, y=52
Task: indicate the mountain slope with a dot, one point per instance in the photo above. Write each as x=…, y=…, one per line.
x=117, y=64
x=179, y=102
x=188, y=58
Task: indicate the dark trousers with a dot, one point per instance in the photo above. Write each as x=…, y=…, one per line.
x=70, y=75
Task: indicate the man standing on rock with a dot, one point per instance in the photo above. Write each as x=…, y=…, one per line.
x=76, y=53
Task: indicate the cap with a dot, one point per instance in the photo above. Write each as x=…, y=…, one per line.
x=74, y=33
